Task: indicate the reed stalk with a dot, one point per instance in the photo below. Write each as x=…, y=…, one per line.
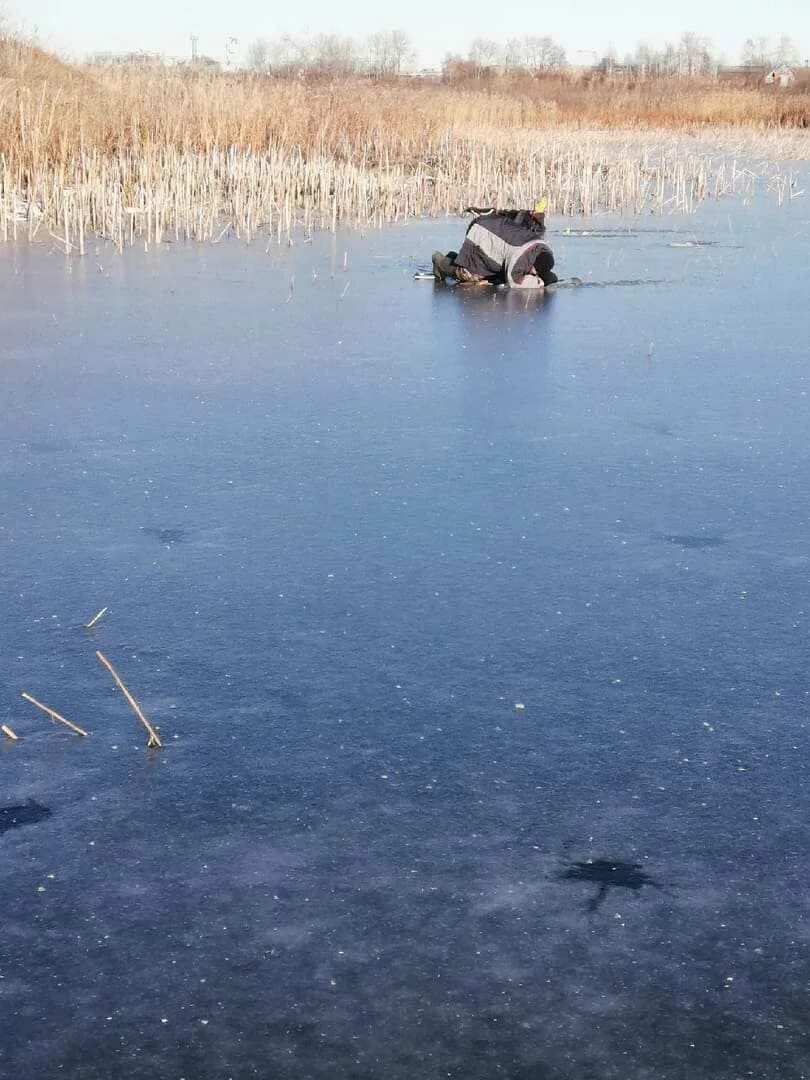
x=154, y=738
x=54, y=715
x=96, y=618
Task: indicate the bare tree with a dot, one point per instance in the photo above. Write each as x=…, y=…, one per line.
x=484, y=54
x=334, y=55
x=389, y=51
x=512, y=55
x=457, y=71
x=691, y=56
x=324, y=54
x=667, y=60
x=757, y=52
x=258, y=55
x=694, y=56
x=645, y=60
x=542, y=54
x=786, y=51
x=764, y=52
x=288, y=55
x=532, y=54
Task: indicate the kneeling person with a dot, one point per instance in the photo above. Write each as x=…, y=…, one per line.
x=502, y=247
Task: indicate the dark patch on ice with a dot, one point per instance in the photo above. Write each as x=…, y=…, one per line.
x=578, y=283
x=702, y=243
x=28, y=813
x=141, y=653
x=165, y=536
x=655, y=428
x=606, y=231
x=695, y=540
x=608, y=874
x=600, y=234
x=49, y=446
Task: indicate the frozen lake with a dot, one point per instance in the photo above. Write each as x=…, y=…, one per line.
x=345, y=523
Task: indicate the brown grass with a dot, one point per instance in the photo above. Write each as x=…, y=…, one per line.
x=627, y=101
x=128, y=152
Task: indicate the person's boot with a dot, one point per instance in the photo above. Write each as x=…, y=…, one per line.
x=442, y=266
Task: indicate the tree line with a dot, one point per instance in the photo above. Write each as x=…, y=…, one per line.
x=387, y=52
x=391, y=53
x=693, y=55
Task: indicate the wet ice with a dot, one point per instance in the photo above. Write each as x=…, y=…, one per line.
x=348, y=861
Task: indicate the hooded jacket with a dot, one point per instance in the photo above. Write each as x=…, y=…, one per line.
x=503, y=246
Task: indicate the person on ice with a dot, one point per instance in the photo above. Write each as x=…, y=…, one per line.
x=502, y=247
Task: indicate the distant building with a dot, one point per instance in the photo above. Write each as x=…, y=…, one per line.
x=131, y=59
x=781, y=76
x=609, y=66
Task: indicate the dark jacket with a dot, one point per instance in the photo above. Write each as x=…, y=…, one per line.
x=502, y=246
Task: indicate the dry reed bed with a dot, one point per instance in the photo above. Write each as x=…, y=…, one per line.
x=166, y=193
x=156, y=155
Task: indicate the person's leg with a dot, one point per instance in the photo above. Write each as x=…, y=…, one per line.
x=443, y=265
x=466, y=277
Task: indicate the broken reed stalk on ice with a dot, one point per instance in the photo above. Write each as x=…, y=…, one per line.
x=96, y=619
x=54, y=715
x=154, y=738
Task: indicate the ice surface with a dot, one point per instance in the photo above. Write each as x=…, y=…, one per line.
x=344, y=533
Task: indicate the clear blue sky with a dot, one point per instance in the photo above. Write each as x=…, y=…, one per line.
x=78, y=27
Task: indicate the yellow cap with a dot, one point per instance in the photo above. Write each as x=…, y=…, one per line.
x=541, y=206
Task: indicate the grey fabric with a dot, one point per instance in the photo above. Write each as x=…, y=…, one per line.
x=483, y=252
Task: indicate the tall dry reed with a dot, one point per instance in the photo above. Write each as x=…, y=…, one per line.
x=155, y=153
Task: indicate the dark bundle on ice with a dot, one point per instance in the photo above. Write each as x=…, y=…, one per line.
x=608, y=874
x=28, y=813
